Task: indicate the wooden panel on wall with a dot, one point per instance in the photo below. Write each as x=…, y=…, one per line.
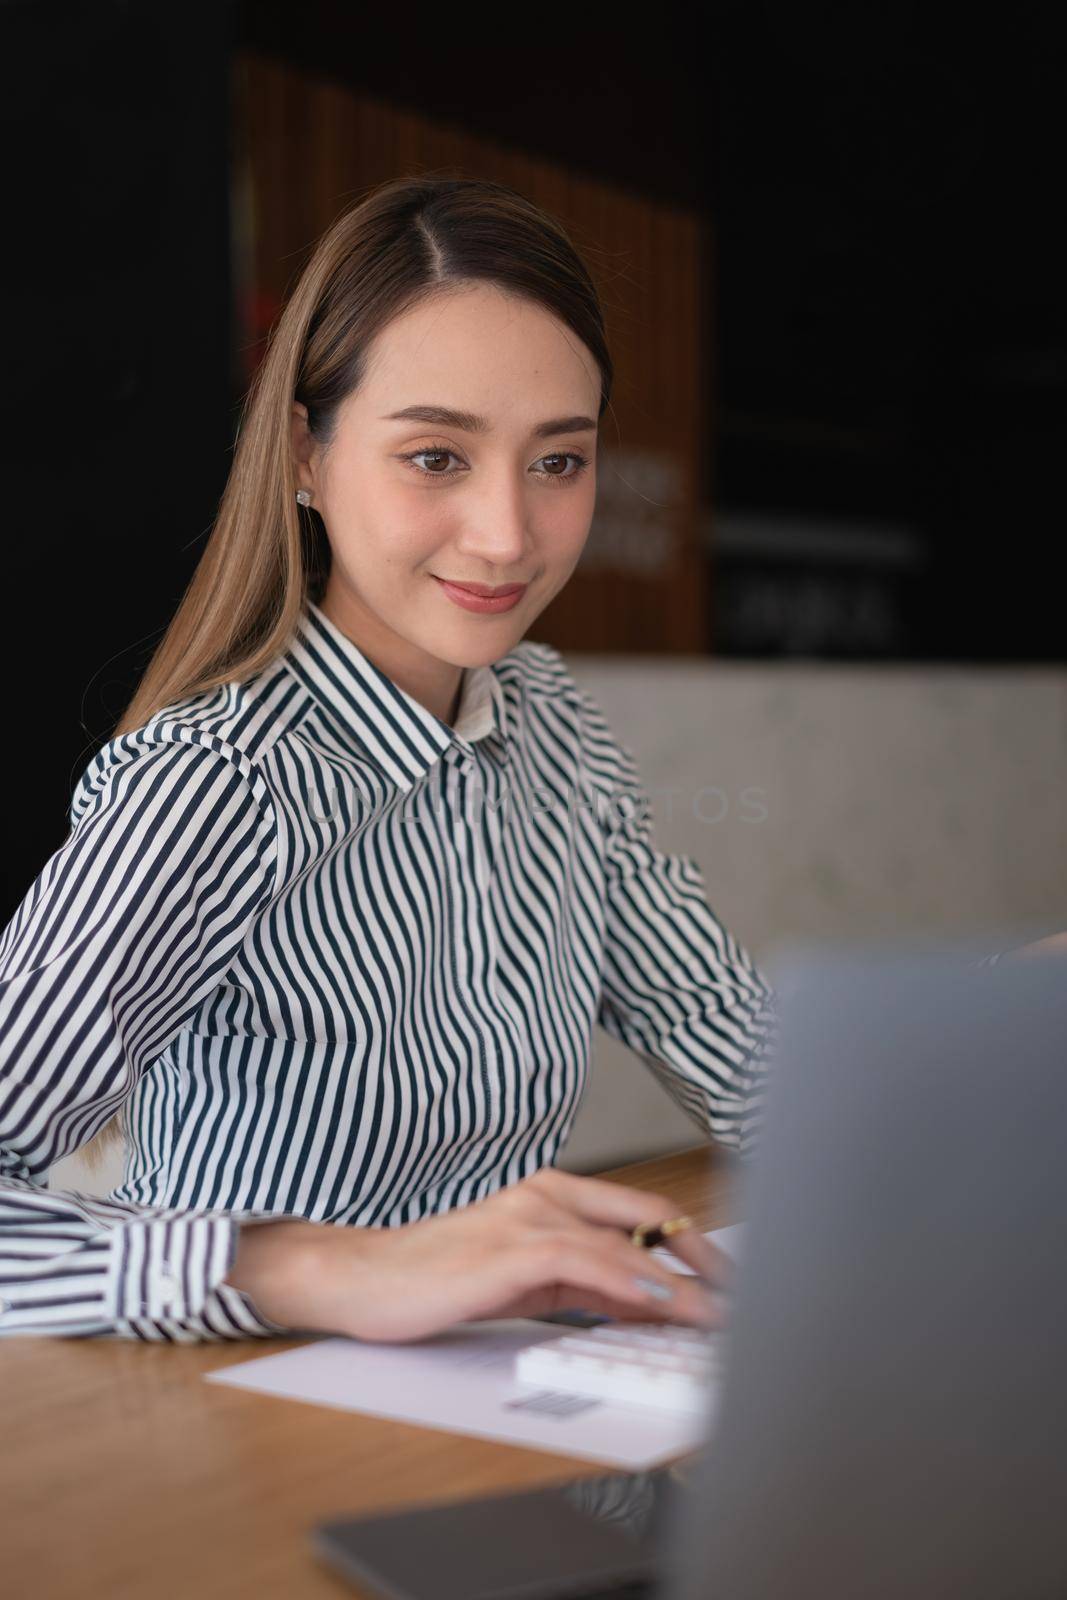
x=307, y=148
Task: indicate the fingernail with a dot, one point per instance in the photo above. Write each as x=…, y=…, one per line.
x=661, y=1291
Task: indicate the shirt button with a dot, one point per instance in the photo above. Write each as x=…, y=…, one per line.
x=168, y=1285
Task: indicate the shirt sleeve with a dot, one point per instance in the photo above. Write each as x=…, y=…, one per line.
x=125, y=931
x=676, y=986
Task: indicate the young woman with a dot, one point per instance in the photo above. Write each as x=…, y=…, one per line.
x=360, y=869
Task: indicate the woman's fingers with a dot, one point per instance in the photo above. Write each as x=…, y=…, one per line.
x=585, y=1276
x=554, y=1298
x=705, y=1258
x=598, y=1200
x=697, y=1297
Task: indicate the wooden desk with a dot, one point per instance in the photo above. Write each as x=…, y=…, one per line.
x=124, y=1476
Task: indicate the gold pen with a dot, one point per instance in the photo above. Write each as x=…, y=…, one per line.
x=647, y=1235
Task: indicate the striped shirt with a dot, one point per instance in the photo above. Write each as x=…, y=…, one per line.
x=339, y=960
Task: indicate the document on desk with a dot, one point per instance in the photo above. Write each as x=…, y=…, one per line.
x=462, y=1381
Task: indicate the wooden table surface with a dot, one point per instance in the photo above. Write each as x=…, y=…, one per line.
x=124, y=1476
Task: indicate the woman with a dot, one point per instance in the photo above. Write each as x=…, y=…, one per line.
x=360, y=869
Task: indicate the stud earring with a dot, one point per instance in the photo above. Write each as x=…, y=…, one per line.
x=303, y=497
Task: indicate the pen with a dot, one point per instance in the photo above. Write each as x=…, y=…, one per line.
x=647, y=1235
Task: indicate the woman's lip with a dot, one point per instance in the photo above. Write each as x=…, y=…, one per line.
x=487, y=604
x=484, y=589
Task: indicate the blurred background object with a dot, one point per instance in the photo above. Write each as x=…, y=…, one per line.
x=828, y=489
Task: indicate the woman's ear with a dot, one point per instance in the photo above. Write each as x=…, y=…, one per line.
x=303, y=448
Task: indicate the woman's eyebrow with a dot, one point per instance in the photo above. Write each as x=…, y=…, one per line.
x=467, y=422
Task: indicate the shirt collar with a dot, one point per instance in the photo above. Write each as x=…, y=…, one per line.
x=365, y=708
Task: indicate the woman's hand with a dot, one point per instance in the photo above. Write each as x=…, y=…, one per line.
x=552, y=1242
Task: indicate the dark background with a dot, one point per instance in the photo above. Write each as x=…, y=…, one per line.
x=888, y=354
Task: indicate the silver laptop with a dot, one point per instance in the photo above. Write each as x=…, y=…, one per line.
x=892, y=1423
x=894, y=1418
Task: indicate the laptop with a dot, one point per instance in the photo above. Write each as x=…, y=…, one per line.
x=892, y=1418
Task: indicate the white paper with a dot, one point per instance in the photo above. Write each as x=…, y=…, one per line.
x=462, y=1380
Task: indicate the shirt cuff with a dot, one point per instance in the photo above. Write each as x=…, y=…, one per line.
x=167, y=1272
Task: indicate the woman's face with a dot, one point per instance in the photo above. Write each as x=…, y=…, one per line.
x=408, y=501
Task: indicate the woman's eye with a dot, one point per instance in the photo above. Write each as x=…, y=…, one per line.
x=443, y=453
x=439, y=454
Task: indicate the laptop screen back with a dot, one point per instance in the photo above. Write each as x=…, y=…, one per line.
x=894, y=1417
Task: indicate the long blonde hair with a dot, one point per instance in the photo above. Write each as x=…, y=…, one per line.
x=405, y=241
